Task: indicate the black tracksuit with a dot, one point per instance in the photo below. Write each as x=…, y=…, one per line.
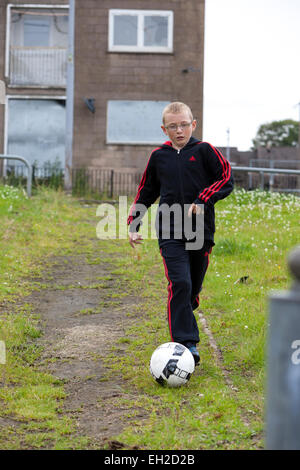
x=197, y=173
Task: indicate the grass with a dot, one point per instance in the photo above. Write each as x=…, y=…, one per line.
x=31, y=232
x=255, y=231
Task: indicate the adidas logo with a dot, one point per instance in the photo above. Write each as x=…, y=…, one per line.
x=192, y=159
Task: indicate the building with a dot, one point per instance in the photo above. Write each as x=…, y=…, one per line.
x=131, y=58
x=33, y=45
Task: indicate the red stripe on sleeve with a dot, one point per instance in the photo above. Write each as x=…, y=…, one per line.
x=141, y=185
x=215, y=187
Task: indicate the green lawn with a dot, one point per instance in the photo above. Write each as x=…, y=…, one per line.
x=255, y=232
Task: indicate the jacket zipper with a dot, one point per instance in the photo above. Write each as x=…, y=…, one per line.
x=180, y=179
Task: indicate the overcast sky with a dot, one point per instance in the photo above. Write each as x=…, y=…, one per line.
x=252, y=67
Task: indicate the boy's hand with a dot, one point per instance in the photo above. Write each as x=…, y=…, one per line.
x=135, y=239
x=195, y=209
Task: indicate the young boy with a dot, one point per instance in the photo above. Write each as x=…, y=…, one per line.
x=186, y=172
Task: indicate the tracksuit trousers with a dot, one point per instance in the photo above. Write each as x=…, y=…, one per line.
x=185, y=271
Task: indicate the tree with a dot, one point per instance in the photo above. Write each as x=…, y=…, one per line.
x=277, y=134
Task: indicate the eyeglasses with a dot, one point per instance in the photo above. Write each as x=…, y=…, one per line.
x=174, y=127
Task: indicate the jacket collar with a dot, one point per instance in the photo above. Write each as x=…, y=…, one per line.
x=191, y=142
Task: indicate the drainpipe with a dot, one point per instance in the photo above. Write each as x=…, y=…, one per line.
x=70, y=98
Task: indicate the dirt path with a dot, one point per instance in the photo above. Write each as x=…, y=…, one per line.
x=76, y=340
x=81, y=321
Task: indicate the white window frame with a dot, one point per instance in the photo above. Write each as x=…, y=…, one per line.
x=11, y=6
x=140, y=47
x=132, y=141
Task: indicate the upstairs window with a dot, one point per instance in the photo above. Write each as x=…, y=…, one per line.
x=140, y=31
x=36, y=31
x=36, y=47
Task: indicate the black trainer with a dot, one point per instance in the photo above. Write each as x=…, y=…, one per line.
x=195, y=353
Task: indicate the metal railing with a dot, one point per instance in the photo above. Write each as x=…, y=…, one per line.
x=43, y=66
x=108, y=182
x=283, y=364
x=111, y=182
x=28, y=165
x=285, y=183
x=271, y=171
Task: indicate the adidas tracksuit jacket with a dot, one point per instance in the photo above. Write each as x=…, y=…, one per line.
x=196, y=173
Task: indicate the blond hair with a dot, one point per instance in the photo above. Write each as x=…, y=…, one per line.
x=176, y=107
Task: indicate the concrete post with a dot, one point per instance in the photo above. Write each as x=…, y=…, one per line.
x=283, y=365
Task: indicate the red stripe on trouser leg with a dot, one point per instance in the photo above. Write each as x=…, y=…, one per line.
x=207, y=254
x=170, y=295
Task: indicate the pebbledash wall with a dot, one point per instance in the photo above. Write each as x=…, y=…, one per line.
x=108, y=76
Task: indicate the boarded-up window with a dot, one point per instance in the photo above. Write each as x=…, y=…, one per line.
x=36, y=130
x=141, y=31
x=135, y=122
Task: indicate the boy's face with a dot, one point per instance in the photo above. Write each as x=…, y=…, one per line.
x=179, y=128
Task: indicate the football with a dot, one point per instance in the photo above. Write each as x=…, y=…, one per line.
x=172, y=364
